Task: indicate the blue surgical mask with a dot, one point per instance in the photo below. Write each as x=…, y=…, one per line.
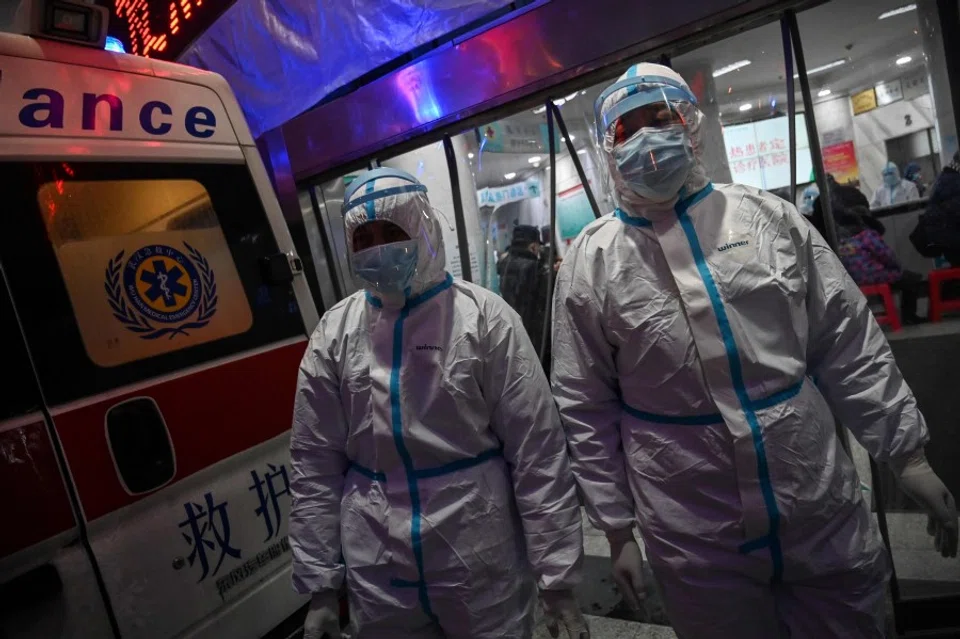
x=655, y=162
x=891, y=179
x=387, y=268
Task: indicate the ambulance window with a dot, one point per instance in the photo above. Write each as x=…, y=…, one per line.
x=146, y=265
x=128, y=271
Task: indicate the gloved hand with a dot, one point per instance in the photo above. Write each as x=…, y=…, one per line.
x=323, y=616
x=627, y=567
x=920, y=483
x=560, y=609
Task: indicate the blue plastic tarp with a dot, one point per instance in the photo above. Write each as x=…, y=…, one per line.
x=281, y=57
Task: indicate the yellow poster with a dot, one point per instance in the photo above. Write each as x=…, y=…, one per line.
x=864, y=101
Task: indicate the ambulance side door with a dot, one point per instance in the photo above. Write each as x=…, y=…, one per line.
x=168, y=360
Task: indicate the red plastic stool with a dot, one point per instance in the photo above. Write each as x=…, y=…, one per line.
x=937, y=304
x=890, y=317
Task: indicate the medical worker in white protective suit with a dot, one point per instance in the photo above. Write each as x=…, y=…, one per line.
x=690, y=327
x=894, y=190
x=429, y=464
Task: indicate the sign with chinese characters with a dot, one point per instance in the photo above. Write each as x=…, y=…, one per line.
x=499, y=196
x=915, y=84
x=759, y=152
x=864, y=101
x=511, y=137
x=840, y=161
x=888, y=92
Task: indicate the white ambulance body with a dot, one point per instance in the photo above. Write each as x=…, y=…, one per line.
x=151, y=324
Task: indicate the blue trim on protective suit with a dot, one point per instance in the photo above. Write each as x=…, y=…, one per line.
x=713, y=418
x=372, y=475
x=397, y=423
x=447, y=282
x=376, y=174
x=367, y=201
x=736, y=373
x=626, y=218
x=370, y=196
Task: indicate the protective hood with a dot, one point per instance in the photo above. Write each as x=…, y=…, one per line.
x=281, y=57
x=891, y=169
x=616, y=101
x=397, y=197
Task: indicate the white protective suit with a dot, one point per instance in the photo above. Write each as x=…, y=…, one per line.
x=429, y=464
x=699, y=347
x=904, y=191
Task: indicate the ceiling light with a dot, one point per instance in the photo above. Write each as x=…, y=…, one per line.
x=746, y=106
x=825, y=67
x=469, y=156
x=730, y=67
x=583, y=93
x=534, y=159
x=560, y=101
x=509, y=176
x=581, y=151
x=540, y=110
x=907, y=8
x=823, y=93
x=904, y=60
x=571, y=96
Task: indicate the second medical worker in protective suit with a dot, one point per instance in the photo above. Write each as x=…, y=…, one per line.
x=429, y=464
x=894, y=190
x=690, y=325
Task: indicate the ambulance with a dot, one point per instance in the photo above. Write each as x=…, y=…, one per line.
x=153, y=314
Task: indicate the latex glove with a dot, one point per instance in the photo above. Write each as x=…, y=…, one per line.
x=323, y=616
x=560, y=610
x=627, y=567
x=920, y=483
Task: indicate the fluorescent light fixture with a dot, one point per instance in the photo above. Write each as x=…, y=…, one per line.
x=540, y=110
x=825, y=67
x=470, y=156
x=509, y=176
x=746, y=106
x=581, y=151
x=583, y=93
x=823, y=93
x=571, y=96
x=907, y=8
x=730, y=67
x=904, y=60
x=560, y=101
x=534, y=159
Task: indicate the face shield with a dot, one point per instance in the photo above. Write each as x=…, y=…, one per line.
x=391, y=232
x=642, y=126
x=891, y=175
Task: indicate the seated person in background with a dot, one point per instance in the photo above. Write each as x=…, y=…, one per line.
x=913, y=173
x=810, y=195
x=894, y=189
x=869, y=260
x=938, y=230
x=844, y=197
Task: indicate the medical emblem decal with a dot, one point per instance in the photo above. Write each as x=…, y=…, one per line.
x=160, y=291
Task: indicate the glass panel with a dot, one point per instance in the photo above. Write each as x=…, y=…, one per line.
x=882, y=95
x=508, y=163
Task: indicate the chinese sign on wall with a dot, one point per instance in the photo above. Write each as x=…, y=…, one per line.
x=840, y=161
x=759, y=152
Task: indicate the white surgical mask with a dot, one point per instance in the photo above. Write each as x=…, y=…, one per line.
x=655, y=163
x=387, y=268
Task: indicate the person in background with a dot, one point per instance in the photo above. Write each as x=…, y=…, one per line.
x=843, y=197
x=810, y=194
x=938, y=229
x=523, y=280
x=869, y=260
x=894, y=189
x=913, y=173
x=689, y=327
x=429, y=467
